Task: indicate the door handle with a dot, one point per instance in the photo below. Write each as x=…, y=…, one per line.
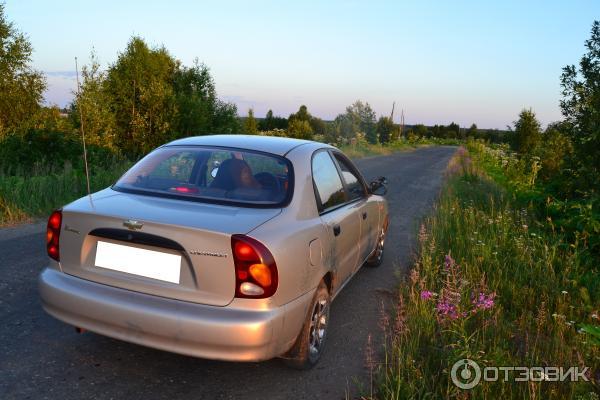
x=337, y=230
x=364, y=215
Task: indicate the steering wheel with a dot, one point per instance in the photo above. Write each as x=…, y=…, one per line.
x=269, y=182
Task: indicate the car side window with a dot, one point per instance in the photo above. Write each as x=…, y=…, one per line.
x=355, y=188
x=327, y=181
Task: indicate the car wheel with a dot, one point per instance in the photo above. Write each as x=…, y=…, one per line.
x=377, y=258
x=311, y=342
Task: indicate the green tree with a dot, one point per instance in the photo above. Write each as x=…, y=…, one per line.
x=154, y=99
x=140, y=84
x=300, y=129
x=299, y=124
x=331, y=134
x=384, y=129
x=345, y=126
x=452, y=131
x=225, y=118
x=580, y=106
x=472, y=131
x=363, y=118
x=250, y=125
x=195, y=100
x=555, y=147
x=318, y=126
x=395, y=135
x=271, y=122
x=92, y=104
x=268, y=122
x=527, y=133
x=301, y=115
x=198, y=110
x=420, y=130
x=21, y=86
x=497, y=136
x=52, y=119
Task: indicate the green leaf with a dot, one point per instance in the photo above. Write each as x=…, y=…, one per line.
x=594, y=331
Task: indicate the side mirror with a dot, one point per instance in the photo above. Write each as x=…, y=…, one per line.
x=378, y=186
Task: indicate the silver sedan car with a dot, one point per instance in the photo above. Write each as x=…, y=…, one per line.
x=225, y=247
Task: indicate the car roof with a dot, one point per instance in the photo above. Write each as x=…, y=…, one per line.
x=270, y=144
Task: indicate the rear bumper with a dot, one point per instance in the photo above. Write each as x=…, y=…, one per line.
x=225, y=333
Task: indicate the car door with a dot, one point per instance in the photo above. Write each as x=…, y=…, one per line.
x=367, y=207
x=339, y=215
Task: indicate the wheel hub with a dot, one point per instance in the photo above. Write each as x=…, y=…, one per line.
x=318, y=326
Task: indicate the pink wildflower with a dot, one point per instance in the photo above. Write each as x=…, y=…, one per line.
x=446, y=309
x=484, y=301
x=426, y=295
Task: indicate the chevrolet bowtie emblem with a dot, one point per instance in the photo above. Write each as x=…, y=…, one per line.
x=133, y=224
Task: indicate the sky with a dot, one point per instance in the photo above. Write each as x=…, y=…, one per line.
x=441, y=61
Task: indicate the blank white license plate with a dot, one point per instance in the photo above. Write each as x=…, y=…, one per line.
x=142, y=262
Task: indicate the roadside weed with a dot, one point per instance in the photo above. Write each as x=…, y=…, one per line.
x=490, y=285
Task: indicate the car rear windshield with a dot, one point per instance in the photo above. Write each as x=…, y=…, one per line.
x=222, y=175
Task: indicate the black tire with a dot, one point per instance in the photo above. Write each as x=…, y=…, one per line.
x=376, y=258
x=310, y=343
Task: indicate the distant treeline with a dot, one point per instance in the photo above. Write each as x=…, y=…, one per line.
x=331, y=129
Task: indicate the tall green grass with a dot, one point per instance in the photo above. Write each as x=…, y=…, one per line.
x=27, y=195
x=576, y=216
x=493, y=285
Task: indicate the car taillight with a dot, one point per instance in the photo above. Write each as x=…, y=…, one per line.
x=255, y=268
x=53, y=235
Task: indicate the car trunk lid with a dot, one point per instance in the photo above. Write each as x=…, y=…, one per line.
x=194, y=238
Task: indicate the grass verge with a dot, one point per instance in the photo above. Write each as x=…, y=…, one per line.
x=25, y=197
x=493, y=285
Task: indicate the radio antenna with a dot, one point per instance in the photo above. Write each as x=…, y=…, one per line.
x=87, y=172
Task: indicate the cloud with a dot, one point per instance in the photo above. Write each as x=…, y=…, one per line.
x=61, y=74
x=60, y=87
